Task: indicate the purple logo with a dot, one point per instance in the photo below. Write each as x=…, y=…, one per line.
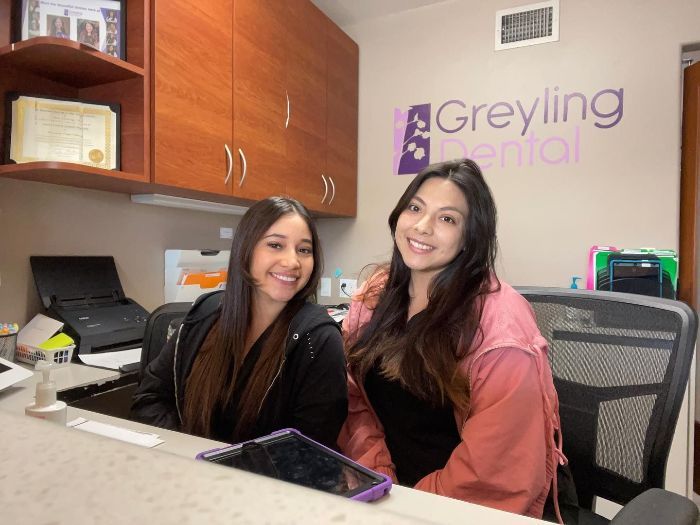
x=411, y=139
x=541, y=129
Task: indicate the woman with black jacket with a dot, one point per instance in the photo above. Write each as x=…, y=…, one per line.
x=257, y=357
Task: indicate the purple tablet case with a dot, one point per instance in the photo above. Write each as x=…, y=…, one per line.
x=370, y=494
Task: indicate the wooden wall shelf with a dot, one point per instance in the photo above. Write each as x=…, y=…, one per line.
x=49, y=57
x=65, y=173
x=56, y=67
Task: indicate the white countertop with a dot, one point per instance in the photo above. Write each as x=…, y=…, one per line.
x=51, y=474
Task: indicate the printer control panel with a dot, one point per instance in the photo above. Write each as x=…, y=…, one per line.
x=107, y=319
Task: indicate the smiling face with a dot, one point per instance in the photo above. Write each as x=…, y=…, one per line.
x=430, y=231
x=282, y=261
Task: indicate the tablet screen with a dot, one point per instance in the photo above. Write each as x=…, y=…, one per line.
x=291, y=457
x=640, y=277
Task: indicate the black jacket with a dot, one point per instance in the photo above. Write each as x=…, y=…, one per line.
x=309, y=393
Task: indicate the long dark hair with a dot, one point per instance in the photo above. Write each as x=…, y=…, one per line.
x=210, y=384
x=424, y=355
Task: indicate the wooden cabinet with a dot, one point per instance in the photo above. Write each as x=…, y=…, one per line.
x=243, y=99
x=259, y=98
x=63, y=68
x=193, y=95
x=341, y=121
x=306, y=85
x=295, y=105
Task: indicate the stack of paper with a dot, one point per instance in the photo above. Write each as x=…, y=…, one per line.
x=112, y=360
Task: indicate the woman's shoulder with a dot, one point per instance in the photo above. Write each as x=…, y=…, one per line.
x=371, y=289
x=505, y=298
x=508, y=318
x=204, y=306
x=312, y=317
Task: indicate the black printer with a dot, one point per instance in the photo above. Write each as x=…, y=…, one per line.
x=86, y=294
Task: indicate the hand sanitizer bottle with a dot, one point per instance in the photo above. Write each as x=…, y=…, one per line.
x=45, y=405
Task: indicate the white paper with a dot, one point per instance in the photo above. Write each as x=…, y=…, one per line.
x=337, y=314
x=112, y=360
x=38, y=330
x=11, y=373
x=143, y=439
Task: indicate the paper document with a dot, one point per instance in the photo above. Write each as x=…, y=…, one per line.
x=38, y=330
x=143, y=439
x=112, y=360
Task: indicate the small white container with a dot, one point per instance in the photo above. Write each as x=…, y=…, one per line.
x=31, y=354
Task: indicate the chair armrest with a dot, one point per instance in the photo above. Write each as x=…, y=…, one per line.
x=658, y=506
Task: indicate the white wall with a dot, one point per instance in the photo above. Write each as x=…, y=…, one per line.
x=624, y=188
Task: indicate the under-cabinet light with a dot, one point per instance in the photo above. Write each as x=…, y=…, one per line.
x=188, y=204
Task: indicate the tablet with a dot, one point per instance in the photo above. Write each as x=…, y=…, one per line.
x=636, y=276
x=11, y=373
x=290, y=456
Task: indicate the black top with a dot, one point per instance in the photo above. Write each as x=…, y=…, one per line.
x=224, y=421
x=419, y=435
x=309, y=394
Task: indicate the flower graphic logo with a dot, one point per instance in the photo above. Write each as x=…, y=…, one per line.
x=411, y=139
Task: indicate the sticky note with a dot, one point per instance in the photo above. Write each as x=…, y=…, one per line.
x=60, y=340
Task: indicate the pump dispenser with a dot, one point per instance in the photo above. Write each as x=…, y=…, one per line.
x=45, y=405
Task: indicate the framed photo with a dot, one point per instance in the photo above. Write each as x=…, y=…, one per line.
x=41, y=128
x=95, y=23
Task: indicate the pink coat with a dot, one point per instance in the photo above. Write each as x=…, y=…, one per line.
x=509, y=452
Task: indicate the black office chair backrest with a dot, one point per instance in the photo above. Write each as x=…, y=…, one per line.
x=161, y=324
x=620, y=364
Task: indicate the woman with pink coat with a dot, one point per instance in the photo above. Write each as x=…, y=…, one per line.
x=450, y=388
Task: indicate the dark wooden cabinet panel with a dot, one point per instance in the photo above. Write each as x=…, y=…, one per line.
x=193, y=94
x=341, y=120
x=260, y=102
x=306, y=86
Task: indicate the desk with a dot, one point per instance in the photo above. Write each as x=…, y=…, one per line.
x=66, y=476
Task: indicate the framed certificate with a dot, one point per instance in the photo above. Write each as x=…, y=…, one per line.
x=62, y=130
x=96, y=23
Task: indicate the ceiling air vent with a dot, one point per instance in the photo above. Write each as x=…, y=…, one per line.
x=527, y=25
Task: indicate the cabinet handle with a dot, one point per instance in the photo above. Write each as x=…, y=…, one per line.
x=325, y=184
x=289, y=110
x=229, y=161
x=332, y=189
x=245, y=166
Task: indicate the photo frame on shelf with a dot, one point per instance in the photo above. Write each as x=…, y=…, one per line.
x=55, y=129
x=96, y=23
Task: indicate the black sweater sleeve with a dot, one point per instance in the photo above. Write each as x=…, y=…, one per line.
x=154, y=400
x=321, y=402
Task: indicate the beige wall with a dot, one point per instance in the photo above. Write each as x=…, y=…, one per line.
x=623, y=190
x=43, y=219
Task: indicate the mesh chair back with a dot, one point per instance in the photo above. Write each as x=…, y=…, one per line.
x=161, y=324
x=620, y=364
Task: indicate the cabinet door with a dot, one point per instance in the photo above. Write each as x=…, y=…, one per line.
x=260, y=102
x=193, y=94
x=306, y=88
x=341, y=127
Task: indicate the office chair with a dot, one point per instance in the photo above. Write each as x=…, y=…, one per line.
x=620, y=364
x=161, y=324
